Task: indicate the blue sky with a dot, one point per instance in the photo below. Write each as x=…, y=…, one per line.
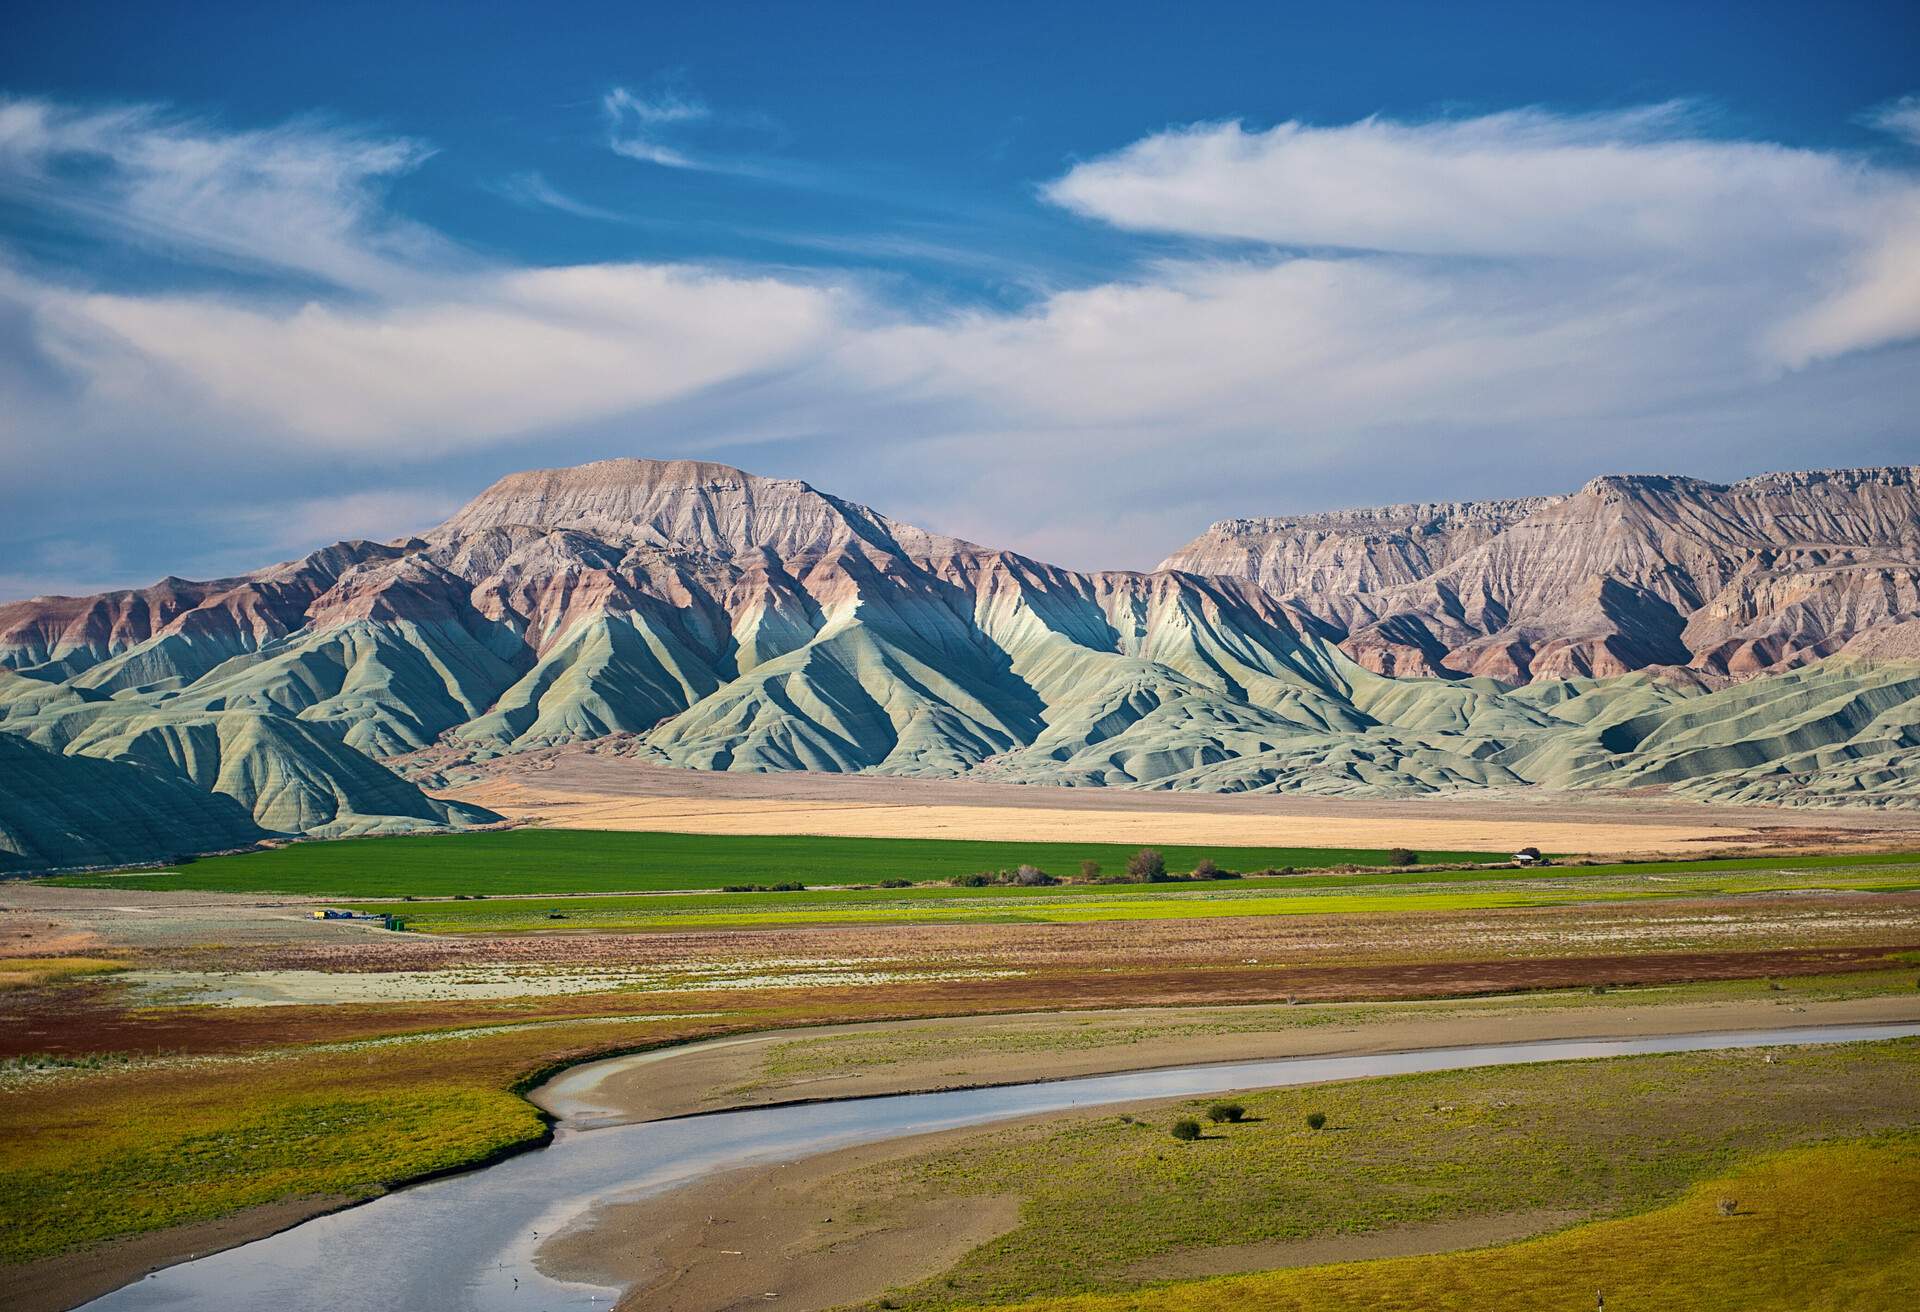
x=1076, y=279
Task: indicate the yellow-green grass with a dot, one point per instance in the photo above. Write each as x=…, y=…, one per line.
x=95, y=1154
x=586, y=861
x=1311, y=895
x=1834, y=1228
x=30, y=972
x=1599, y=1138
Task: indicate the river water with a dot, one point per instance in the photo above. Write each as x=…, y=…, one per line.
x=467, y=1243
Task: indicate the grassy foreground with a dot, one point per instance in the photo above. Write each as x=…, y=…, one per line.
x=1828, y=1229
x=1594, y=1138
x=586, y=861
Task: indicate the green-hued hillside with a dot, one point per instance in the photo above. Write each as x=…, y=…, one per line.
x=79, y=810
x=719, y=621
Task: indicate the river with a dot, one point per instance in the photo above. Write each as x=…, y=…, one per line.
x=467, y=1243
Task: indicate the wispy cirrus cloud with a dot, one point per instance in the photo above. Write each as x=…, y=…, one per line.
x=1900, y=117
x=640, y=125
x=306, y=197
x=532, y=190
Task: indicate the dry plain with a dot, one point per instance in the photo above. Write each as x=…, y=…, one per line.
x=594, y=787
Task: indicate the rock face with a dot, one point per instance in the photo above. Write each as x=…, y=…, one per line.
x=1628, y=572
x=720, y=621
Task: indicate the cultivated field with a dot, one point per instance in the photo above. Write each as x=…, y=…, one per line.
x=570, y=861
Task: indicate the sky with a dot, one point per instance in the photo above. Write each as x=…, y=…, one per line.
x=1073, y=279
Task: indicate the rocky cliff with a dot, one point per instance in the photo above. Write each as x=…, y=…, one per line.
x=1628, y=572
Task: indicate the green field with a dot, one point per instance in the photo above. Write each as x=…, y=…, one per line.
x=1323, y=894
x=590, y=861
x=557, y=861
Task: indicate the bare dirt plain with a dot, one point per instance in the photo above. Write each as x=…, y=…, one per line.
x=593, y=787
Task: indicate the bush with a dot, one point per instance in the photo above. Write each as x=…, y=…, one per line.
x=1222, y=1112
x=1033, y=877
x=1089, y=870
x=896, y=883
x=1403, y=856
x=1186, y=1130
x=1147, y=866
x=978, y=879
x=1206, y=869
x=1316, y=1120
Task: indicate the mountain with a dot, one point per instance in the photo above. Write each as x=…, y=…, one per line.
x=1627, y=573
x=721, y=621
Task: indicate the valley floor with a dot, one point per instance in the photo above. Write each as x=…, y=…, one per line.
x=188, y=1069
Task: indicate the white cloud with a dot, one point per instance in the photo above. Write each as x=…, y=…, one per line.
x=1831, y=238
x=487, y=357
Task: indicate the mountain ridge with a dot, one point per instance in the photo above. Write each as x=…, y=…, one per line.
x=717, y=620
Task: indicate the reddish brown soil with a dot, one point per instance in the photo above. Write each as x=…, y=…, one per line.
x=90, y=1019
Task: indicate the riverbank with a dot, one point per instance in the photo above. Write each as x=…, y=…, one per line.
x=868, y=1060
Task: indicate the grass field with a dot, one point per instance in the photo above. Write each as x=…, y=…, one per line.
x=587, y=861
x=550, y=861
x=1826, y=1229
x=1600, y=1138
x=1328, y=894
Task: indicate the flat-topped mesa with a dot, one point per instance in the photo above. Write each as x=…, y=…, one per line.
x=693, y=506
x=1344, y=551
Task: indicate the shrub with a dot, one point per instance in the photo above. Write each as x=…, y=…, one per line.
x=978, y=879
x=1403, y=856
x=1206, y=869
x=1147, y=866
x=1315, y=1120
x=1222, y=1112
x=896, y=883
x=1186, y=1130
x=1089, y=870
x=1033, y=877
x=1728, y=1206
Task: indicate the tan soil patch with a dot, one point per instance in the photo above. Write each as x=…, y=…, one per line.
x=590, y=786
x=1400, y=1241
x=1466, y=832
x=784, y=1234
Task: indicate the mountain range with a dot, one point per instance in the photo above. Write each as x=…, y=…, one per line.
x=1758, y=641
